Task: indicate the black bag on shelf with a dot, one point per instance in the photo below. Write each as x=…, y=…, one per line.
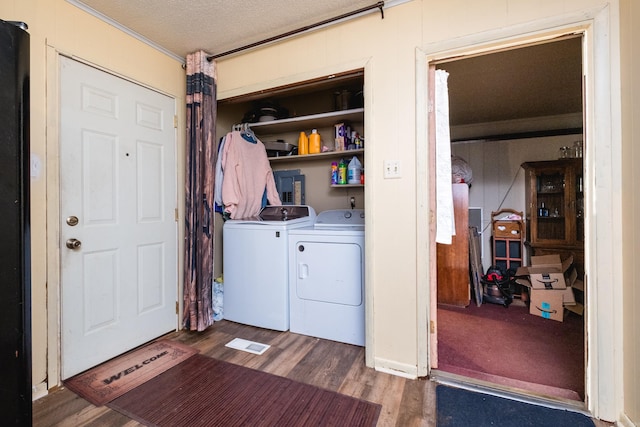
x=496, y=285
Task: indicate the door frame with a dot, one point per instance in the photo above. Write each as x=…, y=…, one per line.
x=603, y=392
x=52, y=176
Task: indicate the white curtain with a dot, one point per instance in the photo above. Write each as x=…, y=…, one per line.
x=445, y=224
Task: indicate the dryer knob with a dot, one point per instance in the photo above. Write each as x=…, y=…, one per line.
x=347, y=214
x=301, y=248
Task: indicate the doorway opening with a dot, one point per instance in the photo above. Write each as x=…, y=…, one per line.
x=516, y=121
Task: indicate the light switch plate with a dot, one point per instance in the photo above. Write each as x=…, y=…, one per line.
x=391, y=169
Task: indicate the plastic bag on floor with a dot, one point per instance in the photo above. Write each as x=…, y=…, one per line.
x=460, y=171
x=218, y=285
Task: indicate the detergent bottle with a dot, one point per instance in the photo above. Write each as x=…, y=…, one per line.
x=334, y=173
x=314, y=142
x=303, y=144
x=342, y=172
x=354, y=170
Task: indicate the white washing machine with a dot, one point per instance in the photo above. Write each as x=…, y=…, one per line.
x=326, y=277
x=256, y=265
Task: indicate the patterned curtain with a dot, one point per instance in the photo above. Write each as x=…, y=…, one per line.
x=200, y=173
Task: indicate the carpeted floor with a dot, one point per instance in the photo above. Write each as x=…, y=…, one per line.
x=462, y=408
x=509, y=346
x=206, y=391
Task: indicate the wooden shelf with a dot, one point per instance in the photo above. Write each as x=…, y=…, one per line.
x=346, y=185
x=562, y=234
x=319, y=156
x=560, y=192
x=564, y=175
x=306, y=105
x=311, y=121
x=507, y=239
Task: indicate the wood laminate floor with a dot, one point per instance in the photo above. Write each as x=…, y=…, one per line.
x=334, y=366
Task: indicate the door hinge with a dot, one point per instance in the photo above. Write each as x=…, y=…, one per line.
x=177, y=307
x=432, y=327
x=176, y=214
x=175, y=122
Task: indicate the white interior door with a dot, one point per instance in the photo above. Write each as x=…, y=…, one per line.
x=118, y=178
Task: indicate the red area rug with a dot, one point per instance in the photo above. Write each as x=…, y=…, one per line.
x=511, y=347
x=206, y=391
x=105, y=382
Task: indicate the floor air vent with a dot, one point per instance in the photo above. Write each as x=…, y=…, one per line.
x=248, y=346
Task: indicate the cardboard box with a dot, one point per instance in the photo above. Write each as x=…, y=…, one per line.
x=568, y=297
x=547, y=303
x=547, y=271
x=550, y=279
x=544, y=278
x=339, y=137
x=552, y=261
x=578, y=288
x=577, y=309
x=578, y=285
x=570, y=277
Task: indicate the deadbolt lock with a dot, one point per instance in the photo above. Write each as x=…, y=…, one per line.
x=72, y=220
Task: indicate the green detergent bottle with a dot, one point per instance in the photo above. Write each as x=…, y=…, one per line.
x=342, y=172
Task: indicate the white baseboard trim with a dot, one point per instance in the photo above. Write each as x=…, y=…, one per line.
x=395, y=368
x=625, y=421
x=39, y=390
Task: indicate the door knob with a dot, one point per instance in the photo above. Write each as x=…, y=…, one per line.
x=73, y=243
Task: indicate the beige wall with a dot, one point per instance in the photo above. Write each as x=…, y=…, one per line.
x=498, y=178
x=630, y=58
x=387, y=50
x=393, y=103
x=55, y=25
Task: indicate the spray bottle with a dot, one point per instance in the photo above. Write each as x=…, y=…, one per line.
x=334, y=173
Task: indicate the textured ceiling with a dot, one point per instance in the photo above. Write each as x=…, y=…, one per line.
x=536, y=81
x=217, y=26
x=532, y=82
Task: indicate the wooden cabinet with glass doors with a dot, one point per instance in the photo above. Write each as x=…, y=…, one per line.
x=555, y=208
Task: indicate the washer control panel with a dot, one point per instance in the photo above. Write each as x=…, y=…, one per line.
x=340, y=218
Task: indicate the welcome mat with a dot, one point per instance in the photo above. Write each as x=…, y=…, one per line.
x=456, y=407
x=206, y=391
x=105, y=382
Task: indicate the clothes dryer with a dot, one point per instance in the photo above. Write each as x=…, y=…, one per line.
x=256, y=265
x=326, y=277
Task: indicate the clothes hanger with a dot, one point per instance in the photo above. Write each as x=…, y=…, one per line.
x=248, y=134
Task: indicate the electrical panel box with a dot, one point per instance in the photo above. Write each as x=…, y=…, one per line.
x=290, y=186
